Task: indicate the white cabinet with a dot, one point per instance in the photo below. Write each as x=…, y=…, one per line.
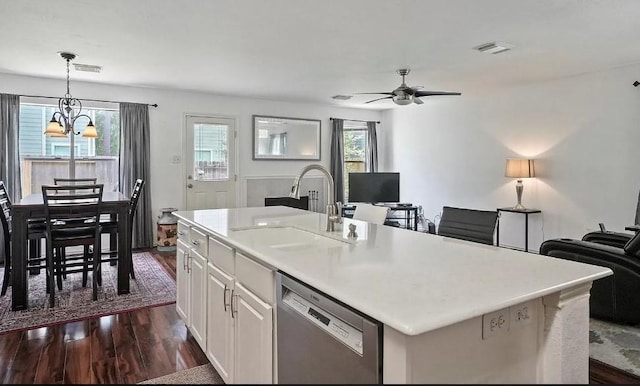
x=254, y=337
x=191, y=281
x=226, y=300
x=220, y=322
x=240, y=322
x=182, y=281
x=197, y=267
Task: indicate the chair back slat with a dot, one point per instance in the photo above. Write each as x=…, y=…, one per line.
x=74, y=181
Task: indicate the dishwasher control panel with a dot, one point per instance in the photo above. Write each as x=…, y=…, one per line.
x=335, y=327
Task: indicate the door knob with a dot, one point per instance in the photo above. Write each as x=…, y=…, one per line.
x=189, y=186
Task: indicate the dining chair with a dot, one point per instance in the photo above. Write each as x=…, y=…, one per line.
x=72, y=219
x=468, y=224
x=111, y=227
x=35, y=232
x=371, y=213
x=74, y=181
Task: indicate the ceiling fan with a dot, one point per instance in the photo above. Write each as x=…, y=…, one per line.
x=404, y=95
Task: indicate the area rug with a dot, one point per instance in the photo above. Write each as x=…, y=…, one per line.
x=200, y=375
x=153, y=286
x=616, y=345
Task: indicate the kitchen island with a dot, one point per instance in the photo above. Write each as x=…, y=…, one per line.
x=452, y=311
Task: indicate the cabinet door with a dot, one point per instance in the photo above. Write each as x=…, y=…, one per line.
x=220, y=325
x=182, y=282
x=254, y=338
x=198, y=297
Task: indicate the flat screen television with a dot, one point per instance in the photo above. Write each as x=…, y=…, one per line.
x=374, y=187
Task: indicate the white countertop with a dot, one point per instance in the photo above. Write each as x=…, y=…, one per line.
x=411, y=281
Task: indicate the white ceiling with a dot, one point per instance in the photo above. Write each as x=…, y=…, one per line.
x=310, y=50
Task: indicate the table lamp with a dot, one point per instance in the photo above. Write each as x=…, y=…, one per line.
x=519, y=168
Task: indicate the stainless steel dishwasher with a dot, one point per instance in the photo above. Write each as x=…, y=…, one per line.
x=322, y=341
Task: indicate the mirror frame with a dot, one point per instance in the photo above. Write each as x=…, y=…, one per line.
x=294, y=157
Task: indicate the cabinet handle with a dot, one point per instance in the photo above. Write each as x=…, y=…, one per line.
x=195, y=242
x=231, y=302
x=185, y=256
x=224, y=297
x=180, y=233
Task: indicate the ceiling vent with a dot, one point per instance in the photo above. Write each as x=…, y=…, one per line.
x=494, y=47
x=342, y=97
x=87, y=67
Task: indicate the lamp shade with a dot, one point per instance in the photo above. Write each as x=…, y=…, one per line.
x=519, y=168
x=54, y=129
x=90, y=131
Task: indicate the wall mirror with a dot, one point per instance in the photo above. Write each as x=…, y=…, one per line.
x=282, y=138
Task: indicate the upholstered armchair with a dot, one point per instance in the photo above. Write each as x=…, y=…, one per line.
x=617, y=297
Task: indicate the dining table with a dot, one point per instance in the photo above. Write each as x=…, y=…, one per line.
x=32, y=207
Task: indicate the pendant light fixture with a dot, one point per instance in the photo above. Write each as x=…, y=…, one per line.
x=62, y=121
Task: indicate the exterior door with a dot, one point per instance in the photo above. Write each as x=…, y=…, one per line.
x=210, y=161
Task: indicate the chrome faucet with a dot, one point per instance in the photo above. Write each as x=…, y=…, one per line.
x=334, y=208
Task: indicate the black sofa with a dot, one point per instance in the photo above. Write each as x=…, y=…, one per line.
x=617, y=297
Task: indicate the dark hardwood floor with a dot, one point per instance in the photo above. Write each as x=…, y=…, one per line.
x=135, y=346
x=125, y=348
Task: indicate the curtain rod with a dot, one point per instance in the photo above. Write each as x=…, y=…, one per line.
x=355, y=120
x=85, y=99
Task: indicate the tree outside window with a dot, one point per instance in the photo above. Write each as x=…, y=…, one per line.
x=355, y=150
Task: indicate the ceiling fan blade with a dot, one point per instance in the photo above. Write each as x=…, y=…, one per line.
x=430, y=93
x=417, y=101
x=380, y=93
x=389, y=97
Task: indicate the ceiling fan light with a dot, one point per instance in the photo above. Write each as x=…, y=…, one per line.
x=402, y=100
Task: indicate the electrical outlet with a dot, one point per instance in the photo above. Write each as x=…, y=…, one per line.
x=496, y=322
x=523, y=313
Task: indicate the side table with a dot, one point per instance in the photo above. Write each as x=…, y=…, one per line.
x=526, y=213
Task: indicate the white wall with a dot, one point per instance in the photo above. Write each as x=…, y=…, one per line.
x=167, y=127
x=583, y=131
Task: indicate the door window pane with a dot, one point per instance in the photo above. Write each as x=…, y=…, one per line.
x=211, y=155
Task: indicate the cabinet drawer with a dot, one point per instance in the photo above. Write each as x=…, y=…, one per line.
x=183, y=232
x=199, y=241
x=256, y=277
x=221, y=256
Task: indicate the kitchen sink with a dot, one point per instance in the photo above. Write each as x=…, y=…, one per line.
x=290, y=238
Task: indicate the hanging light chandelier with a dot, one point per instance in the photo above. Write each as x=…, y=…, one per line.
x=62, y=121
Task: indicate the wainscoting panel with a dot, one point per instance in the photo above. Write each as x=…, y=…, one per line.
x=258, y=188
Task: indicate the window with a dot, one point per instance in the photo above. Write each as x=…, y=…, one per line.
x=211, y=156
x=355, y=151
x=63, y=149
x=43, y=157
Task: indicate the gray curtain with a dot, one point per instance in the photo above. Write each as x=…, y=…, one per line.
x=9, y=149
x=135, y=162
x=337, y=158
x=372, y=140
